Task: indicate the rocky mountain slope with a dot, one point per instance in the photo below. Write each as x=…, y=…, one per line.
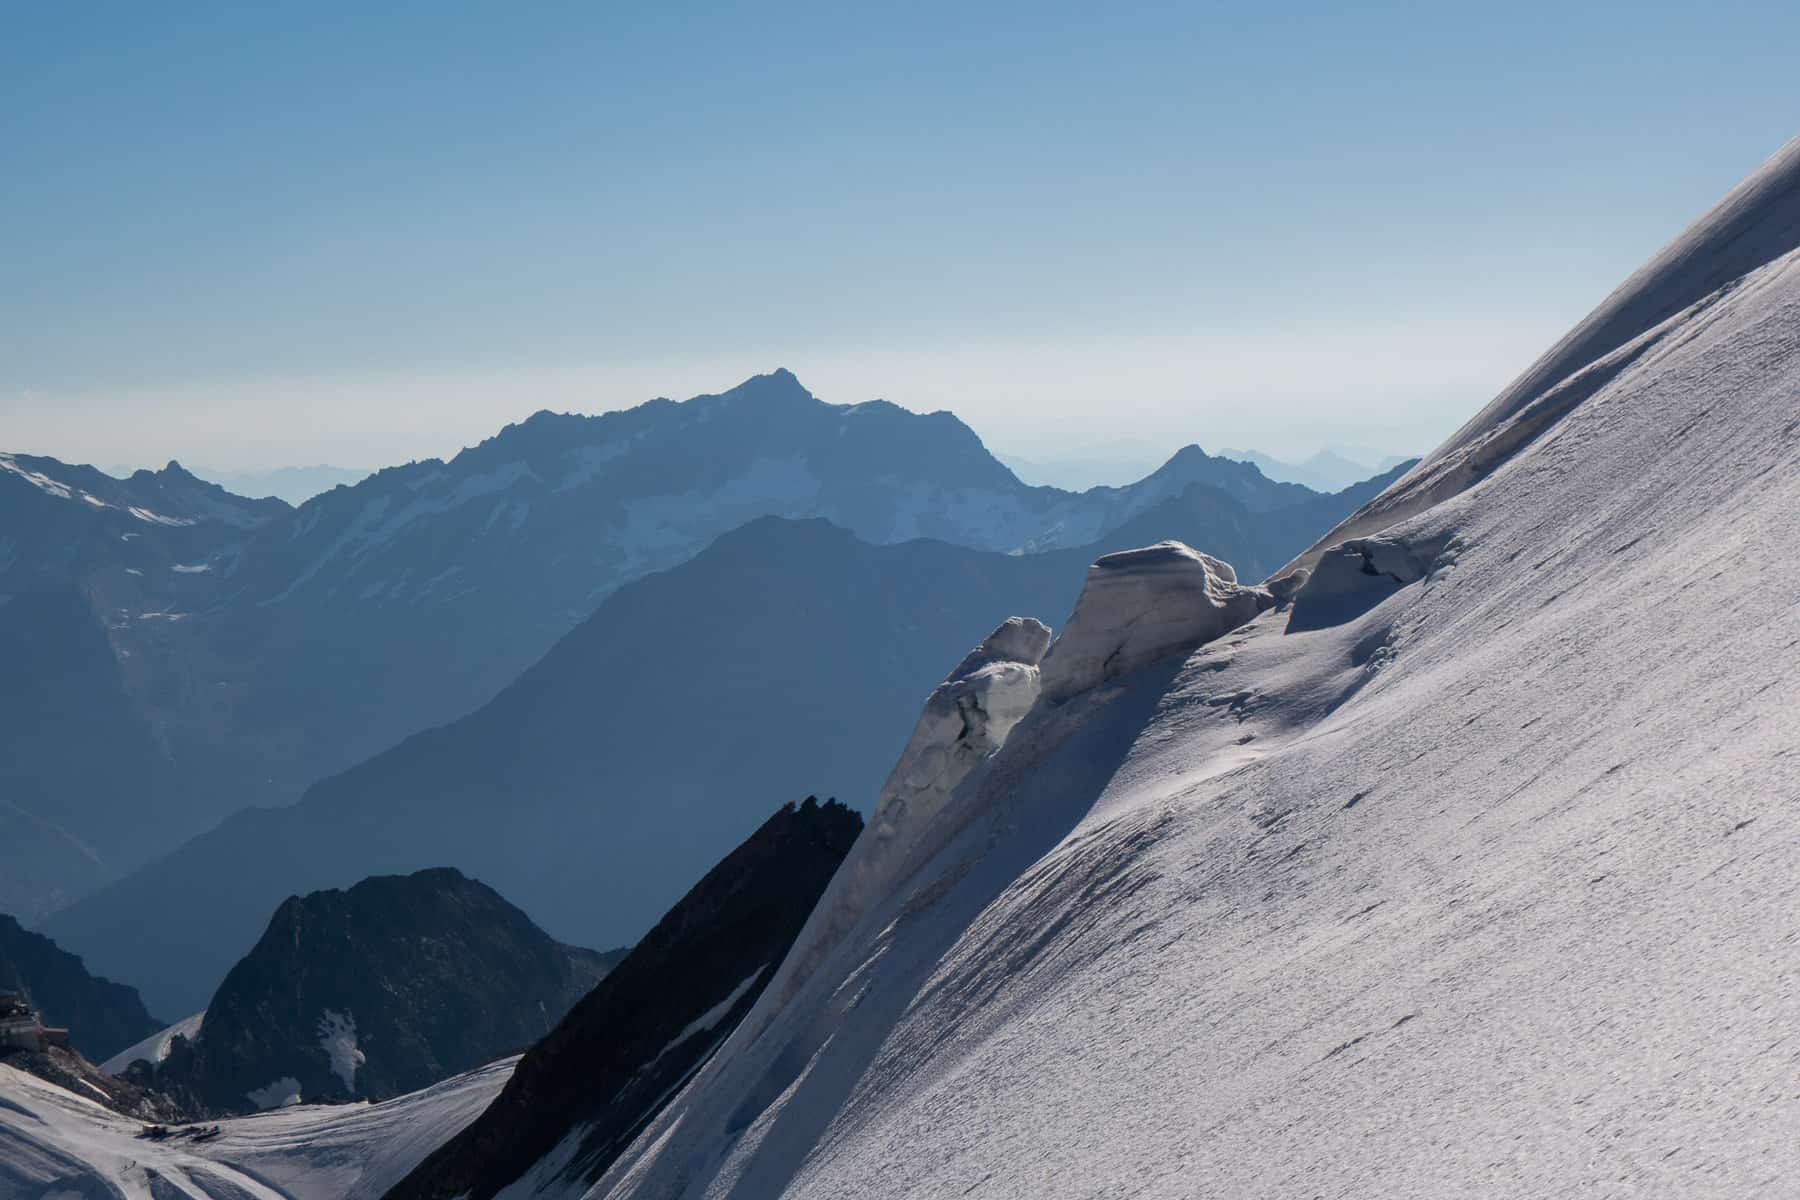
x=642, y=1029
x=101, y=1016
x=95, y=576
x=603, y=1073
x=1468, y=870
x=592, y=762
x=386, y=987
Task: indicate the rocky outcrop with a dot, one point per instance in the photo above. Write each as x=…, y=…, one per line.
x=132, y=1096
x=1141, y=605
x=588, y=1088
x=380, y=989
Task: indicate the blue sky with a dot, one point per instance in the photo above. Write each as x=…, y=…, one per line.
x=249, y=235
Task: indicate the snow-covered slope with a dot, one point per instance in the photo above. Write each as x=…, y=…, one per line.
x=155, y=1048
x=57, y=1144
x=1471, y=871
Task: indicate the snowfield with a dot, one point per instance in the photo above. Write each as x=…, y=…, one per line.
x=1473, y=871
x=57, y=1144
x=155, y=1048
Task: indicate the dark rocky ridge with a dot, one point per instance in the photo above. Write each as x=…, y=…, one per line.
x=612, y=1062
x=102, y=1017
x=383, y=988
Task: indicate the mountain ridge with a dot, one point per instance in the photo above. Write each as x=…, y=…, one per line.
x=367, y=992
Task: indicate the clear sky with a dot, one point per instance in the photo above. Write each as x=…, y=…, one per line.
x=247, y=235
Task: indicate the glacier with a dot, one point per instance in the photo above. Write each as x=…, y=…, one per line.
x=56, y=1143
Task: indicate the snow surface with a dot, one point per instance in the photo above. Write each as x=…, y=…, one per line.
x=337, y=1037
x=155, y=1048
x=1140, y=605
x=37, y=479
x=277, y=1093
x=53, y=1142
x=715, y=1014
x=1473, y=871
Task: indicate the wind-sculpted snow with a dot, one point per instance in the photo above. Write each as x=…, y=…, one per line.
x=155, y=1048
x=1470, y=872
x=966, y=719
x=1140, y=605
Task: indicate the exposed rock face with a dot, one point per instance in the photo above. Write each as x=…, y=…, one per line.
x=101, y=1016
x=586, y=1089
x=387, y=987
x=1140, y=605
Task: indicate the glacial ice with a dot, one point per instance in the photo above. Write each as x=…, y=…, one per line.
x=1140, y=605
x=966, y=718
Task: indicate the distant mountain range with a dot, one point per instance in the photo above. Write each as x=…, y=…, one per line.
x=787, y=656
x=182, y=653
x=1326, y=470
x=108, y=697
x=296, y=485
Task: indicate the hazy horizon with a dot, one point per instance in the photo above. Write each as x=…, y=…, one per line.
x=247, y=240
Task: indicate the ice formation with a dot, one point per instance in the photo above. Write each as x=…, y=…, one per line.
x=966, y=718
x=1140, y=605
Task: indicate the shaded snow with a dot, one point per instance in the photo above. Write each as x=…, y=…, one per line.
x=715, y=1014
x=155, y=1048
x=337, y=1037
x=52, y=1140
x=154, y=518
x=37, y=479
x=278, y=1093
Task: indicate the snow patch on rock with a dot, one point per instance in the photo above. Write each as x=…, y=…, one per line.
x=966, y=718
x=280, y=1093
x=337, y=1037
x=1140, y=605
x=37, y=479
x=155, y=1048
